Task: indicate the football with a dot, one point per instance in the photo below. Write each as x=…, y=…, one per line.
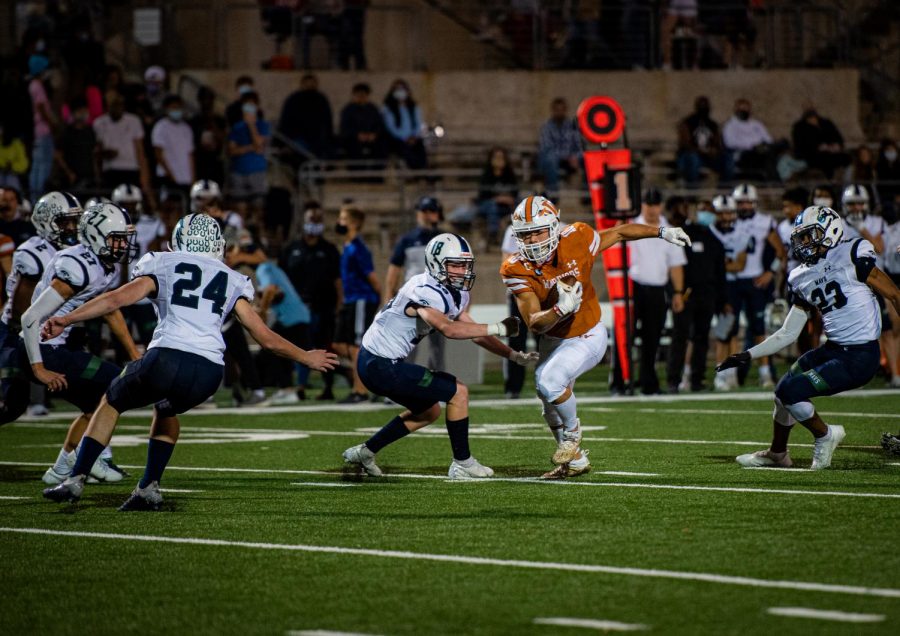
x=569, y=280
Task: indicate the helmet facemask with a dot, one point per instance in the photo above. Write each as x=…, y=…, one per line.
x=462, y=280
x=64, y=229
x=538, y=251
x=121, y=247
x=746, y=209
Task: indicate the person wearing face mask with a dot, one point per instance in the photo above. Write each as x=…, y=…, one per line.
x=210, y=132
x=361, y=127
x=45, y=121
x=700, y=144
x=120, y=144
x=234, y=111
x=404, y=124
x=747, y=139
x=704, y=295
x=247, y=182
x=173, y=143
x=313, y=265
x=154, y=82
x=75, y=155
x=818, y=142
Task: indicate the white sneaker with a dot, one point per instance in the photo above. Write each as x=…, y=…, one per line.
x=474, y=470
x=283, y=397
x=765, y=458
x=895, y=382
x=567, y=449
x=102, y=471
x=53, y=477
x=38, y=410
x=720, y=383
x=361, y=456
x=824, y=447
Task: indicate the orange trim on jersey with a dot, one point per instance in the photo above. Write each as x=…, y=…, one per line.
x=528, y=203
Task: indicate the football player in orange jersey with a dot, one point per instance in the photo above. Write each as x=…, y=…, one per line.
x=551, y=280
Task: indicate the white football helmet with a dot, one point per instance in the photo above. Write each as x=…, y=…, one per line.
x=816, y=230
x=106, y=229
x=55, y=217
x=726, y=212
x=203, y=192
x=198, y=234
x=130, y=198
x=534, y=214
x=745, y=193
x=96, y=201
x=450, y=249
x=855, y=202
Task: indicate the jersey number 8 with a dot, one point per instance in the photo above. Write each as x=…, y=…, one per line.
x=214, y=290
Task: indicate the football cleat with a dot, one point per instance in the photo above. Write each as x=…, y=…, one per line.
x=53, y=477
x=68, y=491
x=891, y=443
x=143, y=499
x=105, y=471
x=567, y=449
x=825, y=446
x=364, y=458
x=474, y=470
x=282, y=397
x=578, y=466
x=765, y=459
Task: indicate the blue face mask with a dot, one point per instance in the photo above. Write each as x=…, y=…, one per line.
x=705, y=218
x=250, y=109
x=175, y=115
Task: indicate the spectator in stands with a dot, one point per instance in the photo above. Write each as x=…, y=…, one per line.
x=680, y=16
x=700, y=145
x=862, y=167
x=306, y=118
x=313, y=265
x=155, y=85
x=748, y=140
x=76, y=155
x=120, y=144
x=818, y=142
x=247, y=181
x=361, y=127
x=498, y=192
x=234, y=111
x=704, y=295
x=173, y=143
x=44, y=123
x=362, y=295
x=11, y=222
x=352, y=31
x=13, y=158
x=653, y=265
x=210, y=130
x=112, y=81
x=404, y=124
x=559, y=147
x=888, y=171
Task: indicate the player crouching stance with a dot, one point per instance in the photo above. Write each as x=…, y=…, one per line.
x=435, y=300
x=573, y=340
x=838, y=278
x=194, y=292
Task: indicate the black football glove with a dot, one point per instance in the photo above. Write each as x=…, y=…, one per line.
x=736, y=360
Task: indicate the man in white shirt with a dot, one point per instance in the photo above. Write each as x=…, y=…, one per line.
x=120, y=137
x=173, y=142
x=746, y=138
x=653, y=264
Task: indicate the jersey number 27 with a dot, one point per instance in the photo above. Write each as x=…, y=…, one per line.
x=214, y=290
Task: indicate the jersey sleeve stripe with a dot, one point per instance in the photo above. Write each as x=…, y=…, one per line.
x=518, y=287
x=37, y=261
x=595, y=244
x=514, y=280
x=84, y=271
x=444, y=298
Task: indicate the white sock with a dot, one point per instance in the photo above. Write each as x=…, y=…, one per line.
x=765, y=373
x=106, y=453
x=61, y=466
x=551, y=415
x=259, y=393
x=557, y=433
x=568, y=411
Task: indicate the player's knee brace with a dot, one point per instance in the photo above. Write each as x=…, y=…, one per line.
x=781, y=415
x=801, y=411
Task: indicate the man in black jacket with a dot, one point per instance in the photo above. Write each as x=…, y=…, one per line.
x=704, y=295
x=306, y=118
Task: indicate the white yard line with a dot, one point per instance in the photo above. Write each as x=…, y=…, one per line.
x=527, y=480
x=322, y=484
x=825, y=615
x=586, y=623
x=7, y=497
x=827, y=414
x=720, y=579
x=489, y=403
x=180, y=490
x=323, y=632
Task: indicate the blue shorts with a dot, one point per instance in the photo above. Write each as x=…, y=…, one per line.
x=744, y=296
x=829, y=369
x=173, y=381
x=411, y=385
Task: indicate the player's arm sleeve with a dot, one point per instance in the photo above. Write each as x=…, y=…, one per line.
x=788, y=333
x=862, y=255
x=43, y=306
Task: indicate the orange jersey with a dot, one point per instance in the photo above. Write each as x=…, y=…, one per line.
x=578, y=247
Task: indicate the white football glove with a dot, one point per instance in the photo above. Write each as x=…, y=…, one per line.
x=569, y=298
x=523, y=359
x=674, y=235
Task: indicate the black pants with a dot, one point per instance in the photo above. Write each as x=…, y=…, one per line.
x=515, y=374
x=650, y=310
x=692, y=324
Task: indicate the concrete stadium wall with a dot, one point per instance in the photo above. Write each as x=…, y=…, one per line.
x=509, y=106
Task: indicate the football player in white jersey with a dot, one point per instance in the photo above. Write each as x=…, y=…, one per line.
x=859, y=220
x=840, y=279
x=194, y=292
x=435, y=300
x=755, y=283
x=55, y=219
x=74, y=276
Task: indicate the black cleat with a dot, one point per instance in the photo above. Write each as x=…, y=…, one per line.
x=67, y=492
x=143, y=499
x=891, y=443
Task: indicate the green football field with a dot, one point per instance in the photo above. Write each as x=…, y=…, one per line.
x=262, y=534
